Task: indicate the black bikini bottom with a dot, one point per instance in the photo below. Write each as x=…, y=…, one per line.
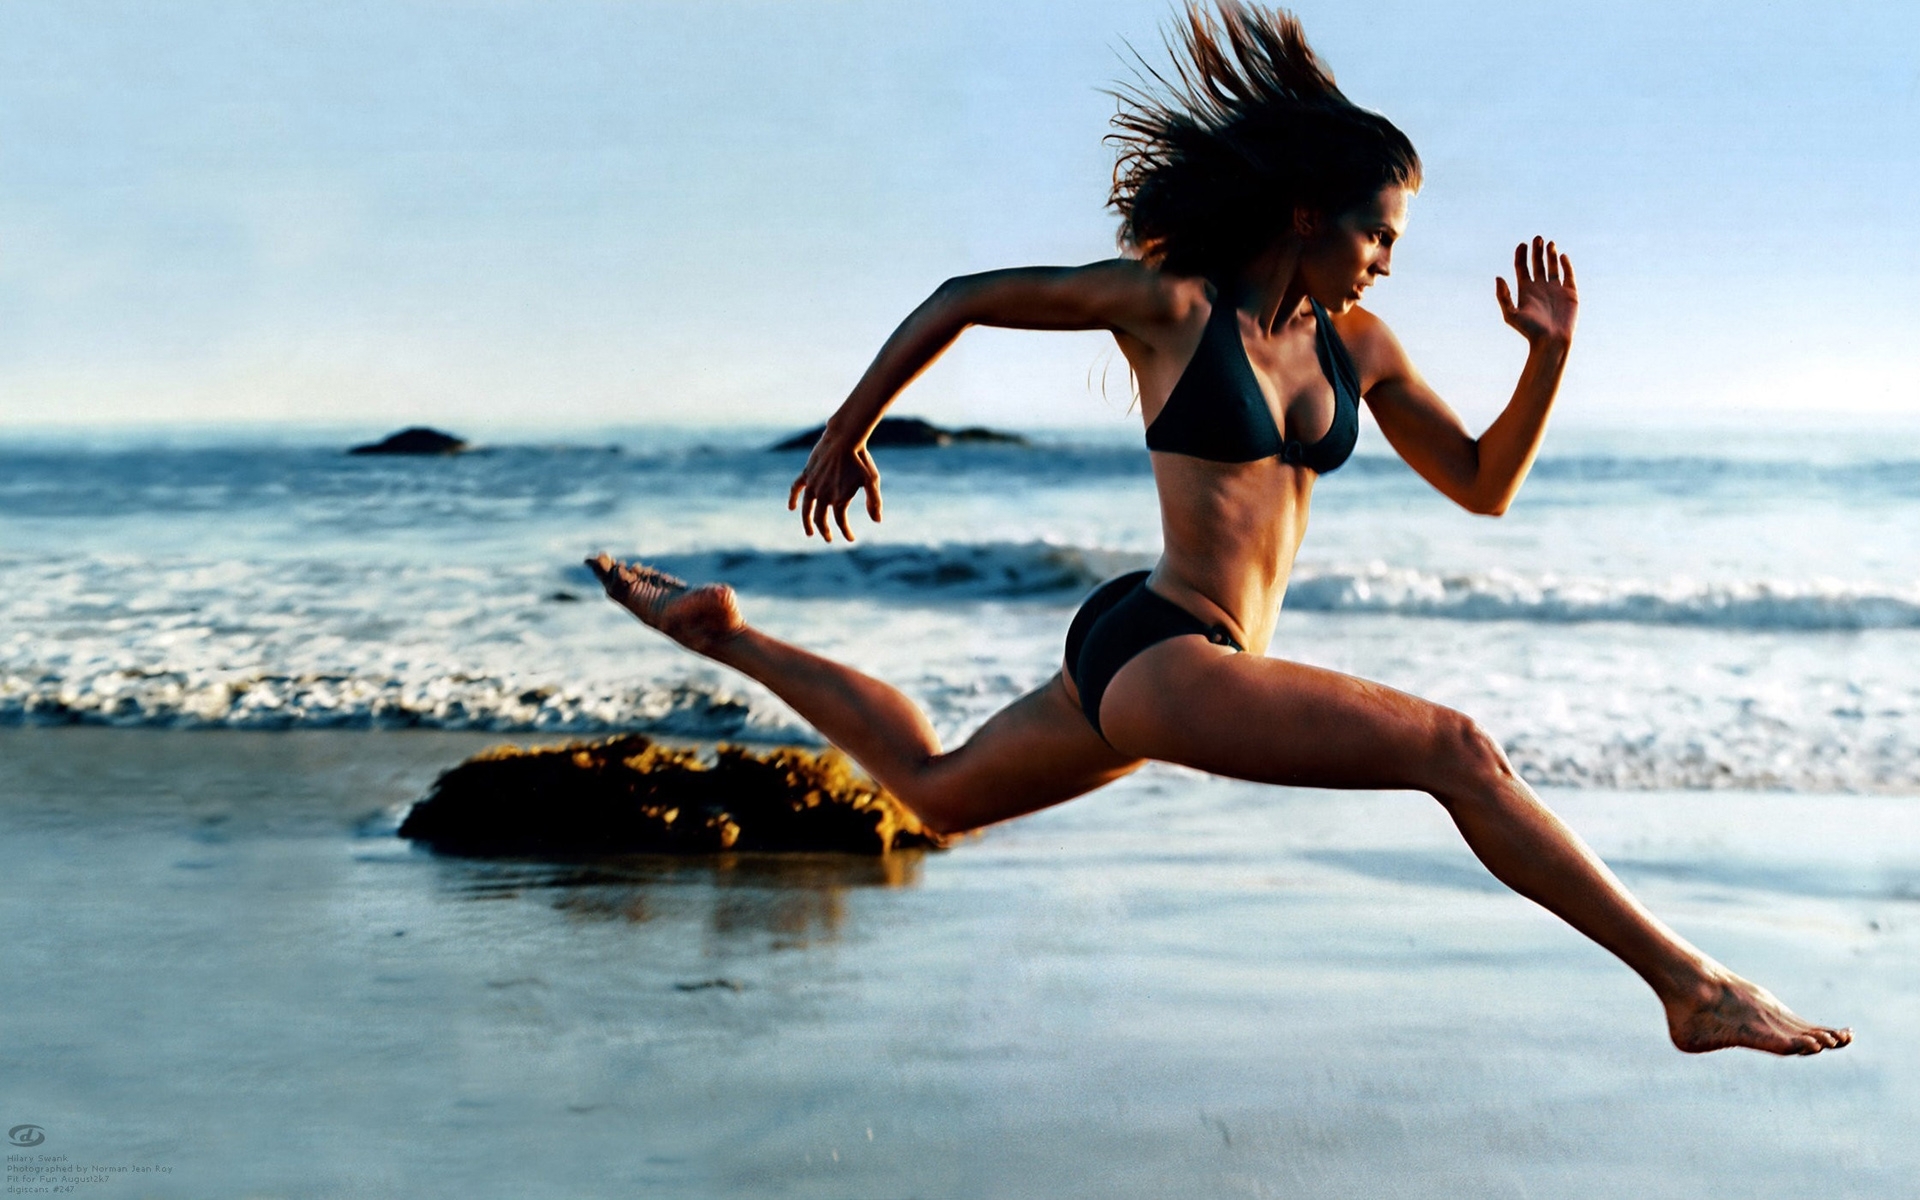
x=1118, y=621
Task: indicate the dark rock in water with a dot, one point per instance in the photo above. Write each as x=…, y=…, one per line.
x=909, y=431
x=628, y=795
x=416, y=440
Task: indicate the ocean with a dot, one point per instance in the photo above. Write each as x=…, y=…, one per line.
x=229, y=660
x=1658, y=611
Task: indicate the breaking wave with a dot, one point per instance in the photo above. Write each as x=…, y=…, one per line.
x=1722, y=758
x=199, y=700
x=1808, y=606
x=1046, y=570
x=959, y=571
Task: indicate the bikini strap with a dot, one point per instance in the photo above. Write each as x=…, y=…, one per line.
x=1335, y=363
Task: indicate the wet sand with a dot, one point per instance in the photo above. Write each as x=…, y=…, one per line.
x=215, y=962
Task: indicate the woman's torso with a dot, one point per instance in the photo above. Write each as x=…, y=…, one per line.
x=1231, y=529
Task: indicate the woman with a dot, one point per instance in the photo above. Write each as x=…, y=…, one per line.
x=1258, y=204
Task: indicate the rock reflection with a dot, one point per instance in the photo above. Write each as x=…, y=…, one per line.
x=795, y=900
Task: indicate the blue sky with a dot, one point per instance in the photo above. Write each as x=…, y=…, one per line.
x=491, y=214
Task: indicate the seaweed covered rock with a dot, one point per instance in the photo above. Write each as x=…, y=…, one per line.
x=909, y=431
x=630, y=795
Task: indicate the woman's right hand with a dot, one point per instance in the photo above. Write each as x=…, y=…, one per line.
x=837, y=471
x=1120, y=294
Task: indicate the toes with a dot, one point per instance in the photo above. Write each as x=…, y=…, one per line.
x=1816, y=1038
x=1823, y=1037
x=656, y=576
x=615, y=576
x=632, y=576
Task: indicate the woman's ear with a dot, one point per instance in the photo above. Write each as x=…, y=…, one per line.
x=1307, y=221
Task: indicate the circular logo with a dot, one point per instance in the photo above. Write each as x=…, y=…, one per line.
x=26, y=1135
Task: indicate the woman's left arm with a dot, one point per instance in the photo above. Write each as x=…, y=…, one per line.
x=1481, y=474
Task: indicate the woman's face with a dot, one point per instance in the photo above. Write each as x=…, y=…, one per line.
x=1342, y=257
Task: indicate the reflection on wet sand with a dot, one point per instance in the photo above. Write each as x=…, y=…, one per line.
x=795, y=899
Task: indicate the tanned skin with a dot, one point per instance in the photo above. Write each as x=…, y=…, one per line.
x=1231, y=531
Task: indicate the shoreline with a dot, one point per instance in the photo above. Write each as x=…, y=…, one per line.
x=1176, y=986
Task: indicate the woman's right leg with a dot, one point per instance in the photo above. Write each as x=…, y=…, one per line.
x=1189, y=702
x=1036, y=752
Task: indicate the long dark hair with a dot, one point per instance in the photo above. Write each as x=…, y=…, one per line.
x=1214, y=160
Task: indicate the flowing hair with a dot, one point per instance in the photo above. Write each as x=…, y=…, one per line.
x=1213, y=162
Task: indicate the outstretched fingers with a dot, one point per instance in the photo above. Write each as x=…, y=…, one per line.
x=1542, y=302
x=826, y=489
x=1540, y=261
x=873, y=484
x=805, y=495
x=822, y=509
x=819, y=507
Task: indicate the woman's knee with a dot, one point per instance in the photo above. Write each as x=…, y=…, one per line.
x=1465, y=753
x=965, y=790
x=928, y=793
x=952, y=793
x=940, y=809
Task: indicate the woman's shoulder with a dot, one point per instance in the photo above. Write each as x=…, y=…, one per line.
x=1357, y=324
x=1369, y=342
x=1139, y=302
x=1166, y=297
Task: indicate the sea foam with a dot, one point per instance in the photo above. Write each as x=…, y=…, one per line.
x=174, y=699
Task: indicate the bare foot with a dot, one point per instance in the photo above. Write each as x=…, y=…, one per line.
x=1729, y=1011
x=702, y=619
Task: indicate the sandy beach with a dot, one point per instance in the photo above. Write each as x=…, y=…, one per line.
x=220, y=963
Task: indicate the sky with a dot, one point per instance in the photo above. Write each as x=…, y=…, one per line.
x=575, y=213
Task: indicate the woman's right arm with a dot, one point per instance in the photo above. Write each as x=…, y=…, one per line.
x=1119, y=295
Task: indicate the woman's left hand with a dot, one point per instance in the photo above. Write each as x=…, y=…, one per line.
x=1548, y=302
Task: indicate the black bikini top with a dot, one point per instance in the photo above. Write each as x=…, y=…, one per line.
x=1217, y=411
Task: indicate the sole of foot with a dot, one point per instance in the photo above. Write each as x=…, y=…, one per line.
x=700, y=618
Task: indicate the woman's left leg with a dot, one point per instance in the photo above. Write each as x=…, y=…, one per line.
x=1200, y=705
